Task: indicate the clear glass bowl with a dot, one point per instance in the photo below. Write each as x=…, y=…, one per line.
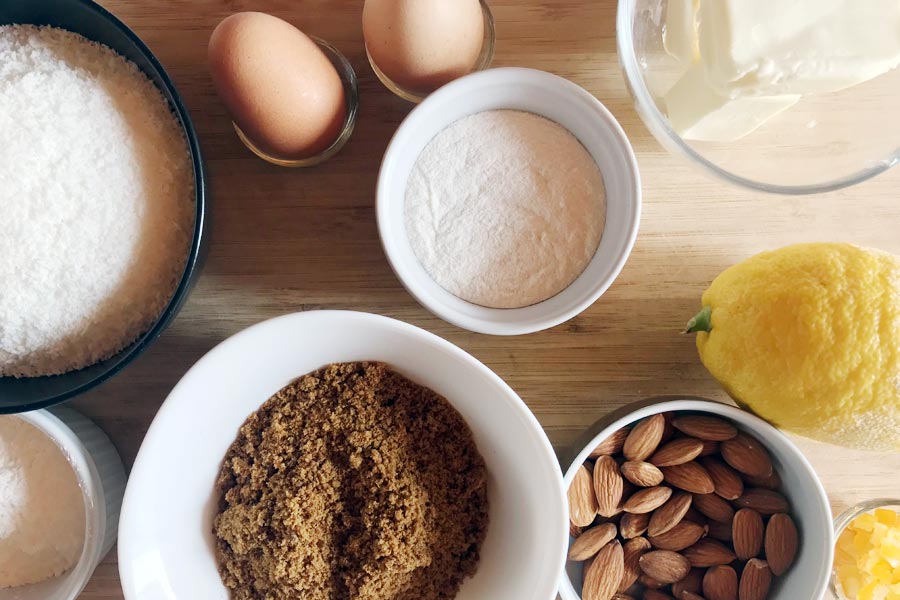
x=824, y=142
x=351, y=97
x=843, y=521
x=483, y=62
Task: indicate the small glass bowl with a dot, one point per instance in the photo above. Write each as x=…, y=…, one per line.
x=483, y=62
x=843, y=521
x=351, y=97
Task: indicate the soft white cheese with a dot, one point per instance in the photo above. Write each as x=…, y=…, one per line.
x=698, y=111
x=680, y=34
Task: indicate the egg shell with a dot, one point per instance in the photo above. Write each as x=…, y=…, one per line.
x=423, y=44
x=277, y=84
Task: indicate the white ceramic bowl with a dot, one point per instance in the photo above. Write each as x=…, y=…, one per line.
x=544, y=94
x=101, y=476
x=809, y=576
x=166, y=546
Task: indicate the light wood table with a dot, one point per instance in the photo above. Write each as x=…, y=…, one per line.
x=290, y=240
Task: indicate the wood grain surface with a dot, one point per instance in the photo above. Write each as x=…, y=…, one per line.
x=291, y=240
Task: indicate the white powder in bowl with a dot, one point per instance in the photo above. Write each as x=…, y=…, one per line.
x=505, y=208
x=42, y=522
x=96, y=201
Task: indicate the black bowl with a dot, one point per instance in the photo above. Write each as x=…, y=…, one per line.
x=96, y=23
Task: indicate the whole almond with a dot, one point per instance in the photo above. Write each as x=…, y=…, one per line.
x=720, y=531
x=633, y=551
x=691, y=596
x=755, y=580
x=763, y=501
x=710, y=447
x=747, y=531
x=608, y=486
x=694, y=515
x=591, y=541
x=677, y=452
x=656, y=595
x=601, y=580
x=648, y=582
x=642, y=473
x=582, y=500
x=633, y=525
x=705, y=427
x=683, y=535
x=647, y=499
x=665, y=566
x=781, y=543
x=669, y=514
x=708, y=553
x=720, y=583
x=726, y=481
x=611, y=445
x=575, y=530
x=690, y=477
x=693, y=583
x=714, y=507
x=771, y=481
x=644, y=438
x=745, y=454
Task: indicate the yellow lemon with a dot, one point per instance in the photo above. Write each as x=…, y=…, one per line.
x=808, y=337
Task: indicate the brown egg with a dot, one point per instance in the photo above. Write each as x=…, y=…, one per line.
x=423, y=44
x=278, y=85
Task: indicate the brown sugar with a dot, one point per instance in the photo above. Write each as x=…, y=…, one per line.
x=352, y=483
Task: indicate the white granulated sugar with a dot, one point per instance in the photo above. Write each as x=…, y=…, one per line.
x=505, y=208
x=42, y=522
x=96, y=201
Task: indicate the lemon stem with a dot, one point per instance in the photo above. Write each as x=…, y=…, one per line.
x=701, y=321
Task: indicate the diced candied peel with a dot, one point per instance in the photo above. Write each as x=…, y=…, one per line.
x=867, y=557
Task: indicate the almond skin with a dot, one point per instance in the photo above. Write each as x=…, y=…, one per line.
x=747, y=531
x=633, y=525
x=602, y=577
x=591, y=541
x=691, y=596
x=683, y=535
x=720, y=583
x=726, y=481
x=641, y=473
x=781, y=543
x=669, y=514
x=656, y=595
x=763, y=501
x=633, y=551
x=644, y=438
x=693, y=583
x=720, y=531
x=690, y=477
x=665, y=566
x=755, y=580
x=608, y=486
x=745, y=454
x=771, y=481
x=582, y=500
x=677, y=452
x=714, y=507
x=710, y=447
x=647, y=500
x=575, y=530
x=708, y=553
x=611, y=445
x=705, y=427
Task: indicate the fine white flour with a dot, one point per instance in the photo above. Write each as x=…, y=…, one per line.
x=42, y=524
x=96, y=201
x=505, y=208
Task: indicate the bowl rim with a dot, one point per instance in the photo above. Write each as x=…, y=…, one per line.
x=195, y=253
x=659, y=125
x=659, y=404
x=486, y=321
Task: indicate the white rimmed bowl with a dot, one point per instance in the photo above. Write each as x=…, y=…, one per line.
x=101, y=476
x=809, y=576
x=166, y=546
x=552, y=97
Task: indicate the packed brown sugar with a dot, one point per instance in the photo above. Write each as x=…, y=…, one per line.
x=351, y=483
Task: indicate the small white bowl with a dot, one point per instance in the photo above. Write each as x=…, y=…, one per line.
x=101, y=476
x=166, y=545
x=809, y=576
x=552, y=97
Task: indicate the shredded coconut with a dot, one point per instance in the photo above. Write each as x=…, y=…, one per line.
x=505, y=208
x=96, y=206
x=42, y=523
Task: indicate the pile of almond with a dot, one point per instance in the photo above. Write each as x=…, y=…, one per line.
x=681, y=506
